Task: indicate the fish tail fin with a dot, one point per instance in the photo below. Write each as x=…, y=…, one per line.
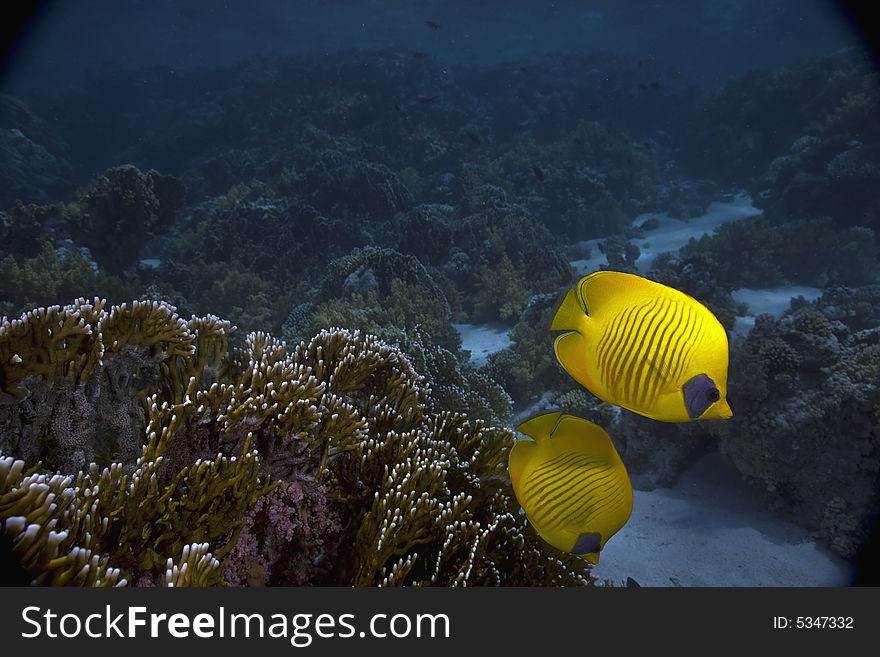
x=520, y=454
x=570, y=349
x=570, y=314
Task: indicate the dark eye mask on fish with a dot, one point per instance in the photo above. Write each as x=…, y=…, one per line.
x=588, y=543
x=700, y=393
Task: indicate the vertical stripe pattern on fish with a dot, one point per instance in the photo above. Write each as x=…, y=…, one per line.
x=644, y=346
x=571, y=483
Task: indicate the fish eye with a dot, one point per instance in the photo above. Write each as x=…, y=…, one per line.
x=713, y=395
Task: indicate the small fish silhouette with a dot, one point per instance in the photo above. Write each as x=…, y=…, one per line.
x=425, y=100
x=539, y=174
x=420, y=55
x=434, y=25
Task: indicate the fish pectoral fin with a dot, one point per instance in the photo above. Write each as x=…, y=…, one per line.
x=661, y=368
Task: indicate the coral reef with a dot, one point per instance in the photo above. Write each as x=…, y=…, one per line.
x=121, y=209
x=488, y=254
x=323, y=464
x=403, y=197
x=34, y=165
x=804, y=139
x=456, y=387
x=583, y=184
x=756, y=117
x=806, y=429
x=368, y=187
x=383, y=292
x=391, y=295
x=760, y=254
x=53, y=275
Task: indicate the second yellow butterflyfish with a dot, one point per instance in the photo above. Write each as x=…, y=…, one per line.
x=571, y=483
x=644, y=346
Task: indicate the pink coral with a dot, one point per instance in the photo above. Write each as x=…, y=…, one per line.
x=282, y=540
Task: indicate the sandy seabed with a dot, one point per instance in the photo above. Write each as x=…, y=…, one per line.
x=711, y=530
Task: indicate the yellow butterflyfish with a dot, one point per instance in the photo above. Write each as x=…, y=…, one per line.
x=571, y=483
x=644, y=346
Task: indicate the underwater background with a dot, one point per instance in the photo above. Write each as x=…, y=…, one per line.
x=387, y=200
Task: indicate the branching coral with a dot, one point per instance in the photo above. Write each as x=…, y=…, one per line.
x=72, y=380
x=442, y=513
x=456, y=387
x=91, y=528
x=400, y=493
x=76, y=375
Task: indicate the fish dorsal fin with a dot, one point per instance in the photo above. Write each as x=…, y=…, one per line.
x=570, y=314
x=540, y=426
x=576, y=434
x=602, y=288
x=557, y=432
